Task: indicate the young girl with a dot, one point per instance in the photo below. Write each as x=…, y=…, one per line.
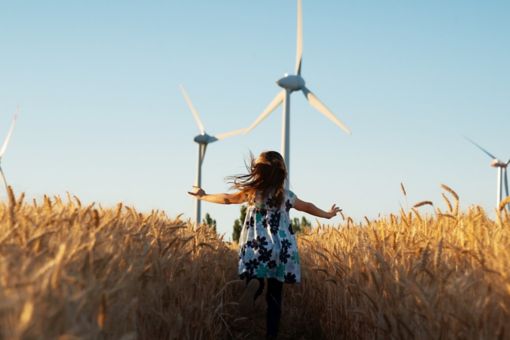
x=268, y=248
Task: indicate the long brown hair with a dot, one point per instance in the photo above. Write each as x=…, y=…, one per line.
x=266, y=175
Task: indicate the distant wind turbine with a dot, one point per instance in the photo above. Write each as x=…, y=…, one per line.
x=5, y=144
x=291, y=83
x=502, y=174
x=203, y=139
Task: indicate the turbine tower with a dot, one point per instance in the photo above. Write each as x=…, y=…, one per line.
x=292, y=83
x=203, y=139
x=502, y=174
x=4, y=147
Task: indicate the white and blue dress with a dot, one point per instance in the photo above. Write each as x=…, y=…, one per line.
x=268, y=247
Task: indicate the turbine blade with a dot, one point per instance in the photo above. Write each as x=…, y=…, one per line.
x=479, y=147
x=270, y=108
x=194, y=111
x=319, y=106
x=4, y=180
x=9, y=133
x=229, y=134
x=299, y=43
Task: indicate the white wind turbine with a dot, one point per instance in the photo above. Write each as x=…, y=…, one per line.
x=4, y=146
x=292, y=83
x=203, y=139
x=502, y=174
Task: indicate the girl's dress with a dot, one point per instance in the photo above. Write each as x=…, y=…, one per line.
x=268, y=247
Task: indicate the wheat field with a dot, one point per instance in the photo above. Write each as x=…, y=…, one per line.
x=69, y=271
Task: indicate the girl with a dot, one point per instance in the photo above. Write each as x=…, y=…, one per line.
x=268, y=248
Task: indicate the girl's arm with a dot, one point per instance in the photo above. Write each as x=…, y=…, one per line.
x=311, y=209
x=223, y=198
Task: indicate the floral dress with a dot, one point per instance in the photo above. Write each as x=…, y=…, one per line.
x=268, y=246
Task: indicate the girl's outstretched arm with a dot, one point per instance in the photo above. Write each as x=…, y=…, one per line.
x=311, y=209
x=223, y=198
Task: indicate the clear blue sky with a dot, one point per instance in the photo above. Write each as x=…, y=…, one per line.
x=102, y=116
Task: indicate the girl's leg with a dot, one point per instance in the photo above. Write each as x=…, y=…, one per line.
x=254, y=288
x=259, y=290
x=274, y=306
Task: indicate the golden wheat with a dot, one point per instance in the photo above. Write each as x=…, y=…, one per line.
x=71, y=271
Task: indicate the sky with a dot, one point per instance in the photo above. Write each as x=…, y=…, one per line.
x=102, y=116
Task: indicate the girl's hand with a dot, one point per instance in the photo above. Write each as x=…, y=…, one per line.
x=197, y=192
x=333, y=211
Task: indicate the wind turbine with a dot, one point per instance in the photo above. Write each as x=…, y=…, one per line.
x=502, y=174
x=4, y=146
x=292, y=83
x=203, y=139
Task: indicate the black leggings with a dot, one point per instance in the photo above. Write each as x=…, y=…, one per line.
x=274, y=304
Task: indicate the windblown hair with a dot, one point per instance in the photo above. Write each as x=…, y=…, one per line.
x=266, y=177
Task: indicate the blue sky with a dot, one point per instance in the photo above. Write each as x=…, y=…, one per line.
x=102, y=116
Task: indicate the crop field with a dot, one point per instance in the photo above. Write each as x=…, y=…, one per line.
x=69, y=271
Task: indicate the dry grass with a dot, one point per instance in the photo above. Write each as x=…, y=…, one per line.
x=69, y=271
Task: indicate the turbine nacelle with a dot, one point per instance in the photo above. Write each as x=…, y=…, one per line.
x=291, y=82
x=499, y=164
x=205, y=139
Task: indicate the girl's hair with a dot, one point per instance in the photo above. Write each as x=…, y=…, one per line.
x=266, y=175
